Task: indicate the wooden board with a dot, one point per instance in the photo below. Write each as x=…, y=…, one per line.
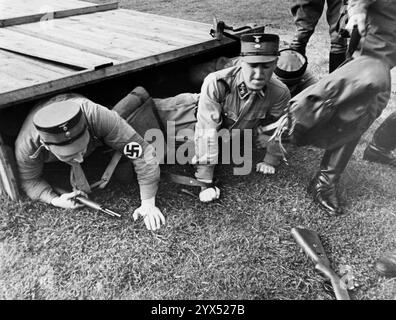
x=78, y=79
x=10, y=9
x=48, y=57
x=119, y=34
x=57, y=14
x=61, y=53
x=22, y=72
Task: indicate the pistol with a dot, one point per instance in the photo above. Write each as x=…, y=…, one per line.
x=91, y=204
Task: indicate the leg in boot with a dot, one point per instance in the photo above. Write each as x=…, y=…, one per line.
x=323, y=186
x=306, y=14
x=338, y=44
x=384, y=141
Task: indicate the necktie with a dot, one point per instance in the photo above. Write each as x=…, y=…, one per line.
x=78, y=179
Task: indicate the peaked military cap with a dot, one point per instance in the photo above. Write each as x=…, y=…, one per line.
x=62, y=127
x=259, y=47
x=291, y=65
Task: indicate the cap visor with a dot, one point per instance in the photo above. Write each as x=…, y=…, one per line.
x=259, y=59
x=75, y=147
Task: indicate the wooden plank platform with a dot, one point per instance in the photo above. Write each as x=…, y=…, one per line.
x=25, y=11
x=48, y=57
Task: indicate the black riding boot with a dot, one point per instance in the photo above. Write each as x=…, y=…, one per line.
x=384, y=141
x=323, y=187
x=335, y=59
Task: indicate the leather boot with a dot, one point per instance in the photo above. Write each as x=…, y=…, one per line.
x=384, y=141
x=323, y=187
x=386, y=264
x=336, y=59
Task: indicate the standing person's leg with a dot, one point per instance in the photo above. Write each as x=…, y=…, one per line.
x=306, y=15
x=383, y=142
x=333, y=114
x=323, y=186
x=338, y=44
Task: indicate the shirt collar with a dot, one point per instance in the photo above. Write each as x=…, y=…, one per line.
x=243, y=91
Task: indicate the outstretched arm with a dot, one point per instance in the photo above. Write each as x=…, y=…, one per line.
x=117, y=133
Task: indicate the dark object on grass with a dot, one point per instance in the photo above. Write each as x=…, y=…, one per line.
x=91, y=204
x=8, y=171
x=386, y=264
x=384, y=141
x=311, y=244
x=219, y=28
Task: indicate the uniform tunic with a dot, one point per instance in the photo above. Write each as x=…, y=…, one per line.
x=306, y=15
x=223, y=104
x=342, y=105
x=105, y=127
x=380, y=41
x=219, y=105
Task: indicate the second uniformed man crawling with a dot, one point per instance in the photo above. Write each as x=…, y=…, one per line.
x=68, y=128
x=239, y=97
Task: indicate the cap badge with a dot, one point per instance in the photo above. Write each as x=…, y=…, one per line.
x=68, y=134
x=257, y=46
x=257, y=38
x=64, y=127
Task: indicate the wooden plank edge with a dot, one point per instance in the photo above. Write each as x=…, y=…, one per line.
x=57, y=14
x=85, y=77
x=7, y=171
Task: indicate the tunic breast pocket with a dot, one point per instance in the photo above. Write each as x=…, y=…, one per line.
x=230, y=115
x=258, y=114
x=229, y=109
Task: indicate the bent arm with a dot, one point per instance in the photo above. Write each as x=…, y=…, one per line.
x=208, y=123
x=116, y=133
x=30, y=172
x=274, y=153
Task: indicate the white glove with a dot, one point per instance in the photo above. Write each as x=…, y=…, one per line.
x=152, y=216
x=209, y=194
x=66, y=200
x=265, y=168
x=358, y=19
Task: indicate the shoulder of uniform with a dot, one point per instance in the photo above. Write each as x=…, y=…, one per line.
x=224, y=74
x=277, y=84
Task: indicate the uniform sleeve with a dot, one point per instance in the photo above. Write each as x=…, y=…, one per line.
x=274, y=153
x=358, y=6
x=30, y=171
x=116, y=133
x=209, y=121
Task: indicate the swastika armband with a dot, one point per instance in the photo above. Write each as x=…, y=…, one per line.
x=133, y=150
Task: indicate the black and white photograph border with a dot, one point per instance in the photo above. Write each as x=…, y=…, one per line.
x=264, y=238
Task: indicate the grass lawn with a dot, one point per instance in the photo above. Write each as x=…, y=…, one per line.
x=239, y=247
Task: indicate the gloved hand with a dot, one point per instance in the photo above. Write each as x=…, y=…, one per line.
x=66, y=200
x=152, y=216
x=209, y=194
x=358, y=19
x=265, y=168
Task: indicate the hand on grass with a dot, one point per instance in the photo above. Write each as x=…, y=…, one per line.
x=152, y=216
x=66, y=200
x=265, y=168
x=209, y=194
